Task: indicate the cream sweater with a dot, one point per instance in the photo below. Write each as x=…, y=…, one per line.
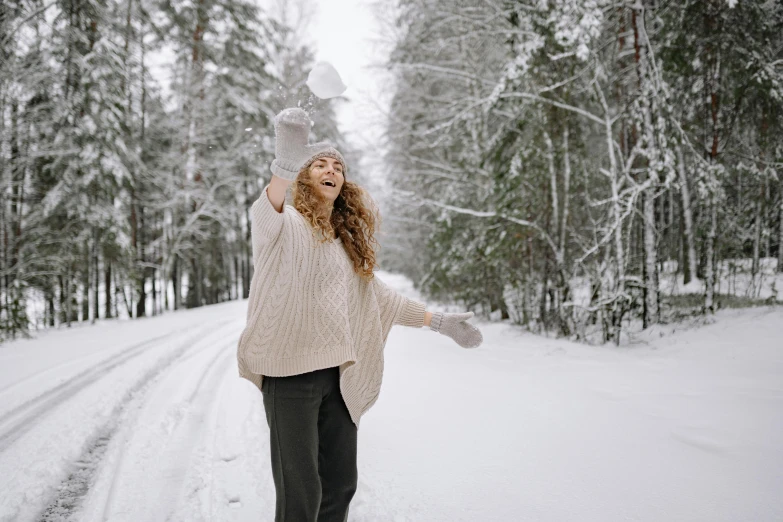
x=308, y=310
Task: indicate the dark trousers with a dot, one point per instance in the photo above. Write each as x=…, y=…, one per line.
x=313, y=443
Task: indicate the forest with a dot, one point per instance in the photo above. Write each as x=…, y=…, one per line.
x=582, y=168
x=134, y=137
x=586, y=167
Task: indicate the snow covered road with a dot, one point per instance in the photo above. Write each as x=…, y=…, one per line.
x=148, y=421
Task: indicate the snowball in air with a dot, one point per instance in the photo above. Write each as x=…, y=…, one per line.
x=324, y=81
x=294, y=115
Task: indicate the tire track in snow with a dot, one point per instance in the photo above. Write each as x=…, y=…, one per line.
x=194, y=429
x=179, y=442
x=72, y=492
x=18, y=421
x=38, y=374
x=234, y=478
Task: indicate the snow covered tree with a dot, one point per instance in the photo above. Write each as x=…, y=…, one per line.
x=116, y=187
x=723, y=63
x=564, y=143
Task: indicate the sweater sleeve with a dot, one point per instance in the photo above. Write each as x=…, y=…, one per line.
x=404, y=311
x=266, y=222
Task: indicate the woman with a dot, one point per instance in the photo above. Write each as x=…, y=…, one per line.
x=317, y=322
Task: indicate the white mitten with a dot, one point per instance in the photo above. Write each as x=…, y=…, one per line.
x=292, y=152
x=457, y=327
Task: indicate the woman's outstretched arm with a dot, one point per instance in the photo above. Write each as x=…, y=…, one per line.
x=396, y=308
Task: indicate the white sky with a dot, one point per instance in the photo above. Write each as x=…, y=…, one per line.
x=347, y=34
x=354, y=37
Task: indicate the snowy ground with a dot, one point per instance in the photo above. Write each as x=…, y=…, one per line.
x=147, y=421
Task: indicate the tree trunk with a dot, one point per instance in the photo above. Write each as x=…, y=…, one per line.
x=673, y=241
x=16, y=189
x=227, y=281
x=757, y=218
x=550, y=157
x=120, y=286
x=649, y=233
x=780, y=224
x=86, y=284
x=50, y=316
x=134, y=229
x=682, y=254
x=196, y=295
x=687, y=216
x=116, y=301
x=529, y=286
x=247, y=261
x=236, y=277
x=544, y=292
x=61, y=300
x=141, y=310
x=616, y=208
x=14, y=296
x=68, y=303
x=175, y=282
x=652, y=314
x=153, y=277
x=618, y=291
x=164, y=287
x=566, y=187
x=712, y=86
x=107, y=288
x=709, y=295
x=97, y=276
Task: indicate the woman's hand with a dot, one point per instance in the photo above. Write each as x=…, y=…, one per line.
x=457, y=327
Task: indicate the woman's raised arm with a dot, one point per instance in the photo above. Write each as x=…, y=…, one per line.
x=267, y=215
x=276, y=192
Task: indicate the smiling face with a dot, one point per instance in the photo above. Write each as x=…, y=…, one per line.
x=327, y=175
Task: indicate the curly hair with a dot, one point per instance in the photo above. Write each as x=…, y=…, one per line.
x=354, y=219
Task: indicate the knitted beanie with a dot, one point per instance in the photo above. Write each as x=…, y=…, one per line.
x=330, y=152
x=292, y=151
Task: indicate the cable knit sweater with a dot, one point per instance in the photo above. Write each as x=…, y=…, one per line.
x=308, y=310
